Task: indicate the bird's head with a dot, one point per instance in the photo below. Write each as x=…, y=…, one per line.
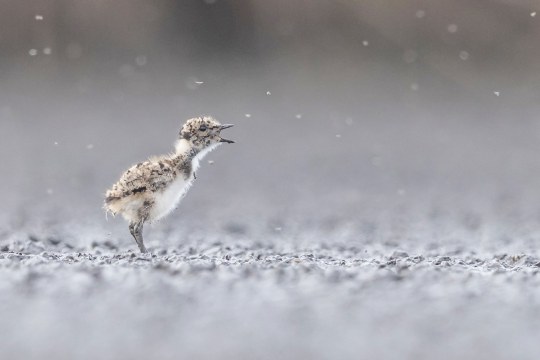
x=204, y=132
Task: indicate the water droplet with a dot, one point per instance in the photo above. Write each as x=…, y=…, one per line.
x=192, y=83
x=247, y=115
x=420, y=14
x=349, y=121
x=365, y=43
x=414, y=86
x=452, y=28
x=533, y=14
x=38, y=17
x=268, y=93
x=90, y=146
x=50, y=191
x=56, y=143
x=47, y=51
x=278, y=228
x=338, y=136
x=141, y=60
x=298, y=116
x=32, y=52
x=210, y=162
x=463, y=55
x=497, y=93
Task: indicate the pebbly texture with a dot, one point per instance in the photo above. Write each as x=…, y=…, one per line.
x=240, y=299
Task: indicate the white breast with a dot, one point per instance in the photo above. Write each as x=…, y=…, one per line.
x=168, y=200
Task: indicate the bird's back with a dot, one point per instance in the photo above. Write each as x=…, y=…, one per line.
x=139, y=186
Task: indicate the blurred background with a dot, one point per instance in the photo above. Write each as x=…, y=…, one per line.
x=362, y=120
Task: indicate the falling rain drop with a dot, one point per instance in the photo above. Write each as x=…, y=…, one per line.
x=141, y=60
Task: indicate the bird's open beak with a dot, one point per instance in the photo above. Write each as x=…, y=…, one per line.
x=226, y=126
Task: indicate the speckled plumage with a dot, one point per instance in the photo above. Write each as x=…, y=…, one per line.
x=151, y=189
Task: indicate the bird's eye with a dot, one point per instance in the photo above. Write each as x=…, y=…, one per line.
x=202, y=128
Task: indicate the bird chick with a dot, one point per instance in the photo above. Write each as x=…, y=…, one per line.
x=151, y=189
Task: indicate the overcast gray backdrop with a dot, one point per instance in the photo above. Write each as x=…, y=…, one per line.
x=363, y=117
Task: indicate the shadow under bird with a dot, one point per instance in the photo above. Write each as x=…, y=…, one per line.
x=151, y=189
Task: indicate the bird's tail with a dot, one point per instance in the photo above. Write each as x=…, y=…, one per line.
x=109, y=205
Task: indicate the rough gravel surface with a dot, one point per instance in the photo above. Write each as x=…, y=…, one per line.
x=239, y=299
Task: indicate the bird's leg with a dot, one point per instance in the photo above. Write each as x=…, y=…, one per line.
x=136, y=229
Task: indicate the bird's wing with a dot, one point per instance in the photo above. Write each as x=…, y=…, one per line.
x=151, y=175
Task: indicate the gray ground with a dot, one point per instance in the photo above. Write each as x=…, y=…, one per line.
x=232, y=297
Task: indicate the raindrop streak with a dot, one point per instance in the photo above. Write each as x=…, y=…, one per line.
x=199, y=82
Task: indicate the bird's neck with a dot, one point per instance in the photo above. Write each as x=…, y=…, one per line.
x=183, y=148
x=185, y=151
